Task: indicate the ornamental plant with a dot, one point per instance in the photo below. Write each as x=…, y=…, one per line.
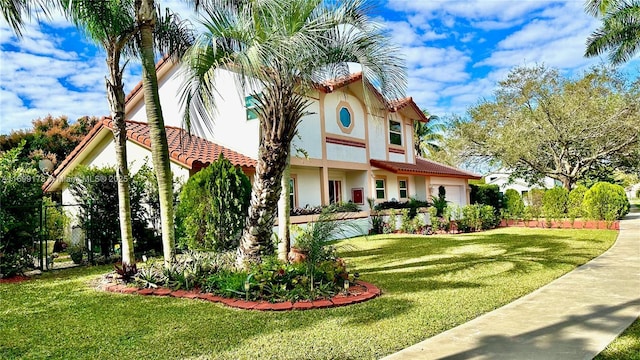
x=605, y=201
x=513, y=204
x=554, y=203
x=213, y=207
x=20, y=206
x=574, y=205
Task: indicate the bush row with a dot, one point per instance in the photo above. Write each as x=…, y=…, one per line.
x=603, y=201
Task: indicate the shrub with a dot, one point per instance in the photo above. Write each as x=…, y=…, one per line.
x=213, y=207
x=486, y=194
x=604, y=201
x=76, y=253
x=513, y=204
x=554, y=202
x=535, y=198
x=20, y=194
x=574, y=205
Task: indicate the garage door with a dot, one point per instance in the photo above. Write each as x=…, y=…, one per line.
x=453, y=195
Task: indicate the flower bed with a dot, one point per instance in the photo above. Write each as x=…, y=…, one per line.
x=357, y=293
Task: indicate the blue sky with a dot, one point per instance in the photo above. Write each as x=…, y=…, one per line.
x=456, y=51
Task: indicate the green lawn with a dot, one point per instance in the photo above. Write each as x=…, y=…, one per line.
x=429, y=284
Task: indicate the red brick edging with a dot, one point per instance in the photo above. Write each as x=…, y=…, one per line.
x=361, y=292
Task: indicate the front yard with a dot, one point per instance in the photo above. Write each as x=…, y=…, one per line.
x=429, y=284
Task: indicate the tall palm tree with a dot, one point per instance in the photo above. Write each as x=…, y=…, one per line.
x=285, y=47
x=428, y=137
x=619, y=34
x=112, y=26
x=147, y=22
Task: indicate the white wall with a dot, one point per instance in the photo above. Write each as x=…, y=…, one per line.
x=309, y=187
x=229, y=124
x=309, y=134
x=378, y=138
x=332, y=102
x=346, y=153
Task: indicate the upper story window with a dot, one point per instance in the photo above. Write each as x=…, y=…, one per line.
x=395, y=132
x=344, y=117
x=250, y=104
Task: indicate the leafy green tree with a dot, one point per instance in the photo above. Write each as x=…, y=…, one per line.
x=428, y=137
x=20, y=202
x=541, y=124
x=513, y=204
x=50, y=137
x=213, y=207
x=286, y=47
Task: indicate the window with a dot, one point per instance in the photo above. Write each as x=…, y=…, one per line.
x=292, y=192
x=250, y=103
x=335, y=191
x=345, y=117
x=403, y=188
x=380, y=189
x=395, y=132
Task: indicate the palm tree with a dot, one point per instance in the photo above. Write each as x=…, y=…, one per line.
x=428, y=136
x=112, y=26
x=619, y=34
x=285, y=47
x=14, y=11
x=147, y=23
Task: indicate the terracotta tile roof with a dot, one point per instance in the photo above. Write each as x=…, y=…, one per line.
x=423, y=167
x=188, y=150
x=192, y=152
x=334, y=84
x=330, y=86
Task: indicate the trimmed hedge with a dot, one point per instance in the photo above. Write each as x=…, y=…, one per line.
x=604, y=201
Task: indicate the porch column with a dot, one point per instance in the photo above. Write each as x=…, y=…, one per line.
x=324, y=185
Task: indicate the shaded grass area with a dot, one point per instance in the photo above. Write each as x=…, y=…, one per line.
x=429, y=284
x=625, y=346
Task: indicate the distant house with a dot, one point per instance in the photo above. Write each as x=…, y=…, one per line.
x=351, y=154
x=503, y=180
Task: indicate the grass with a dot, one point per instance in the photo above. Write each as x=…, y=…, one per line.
x=429, y=284
x=625, y=346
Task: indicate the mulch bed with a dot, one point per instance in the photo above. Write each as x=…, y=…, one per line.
x=357, y=293
x=14, y=279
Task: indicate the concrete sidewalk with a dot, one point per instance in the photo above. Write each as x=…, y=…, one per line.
x=574, y=317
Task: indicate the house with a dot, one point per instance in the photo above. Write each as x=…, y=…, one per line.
x=503, y=179
x=350, y=153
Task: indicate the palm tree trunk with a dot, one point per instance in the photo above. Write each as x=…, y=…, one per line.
x=145, y=16
x=284, y=208
x=115, y=94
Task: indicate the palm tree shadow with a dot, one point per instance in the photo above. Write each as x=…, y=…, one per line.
x=562, y=339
